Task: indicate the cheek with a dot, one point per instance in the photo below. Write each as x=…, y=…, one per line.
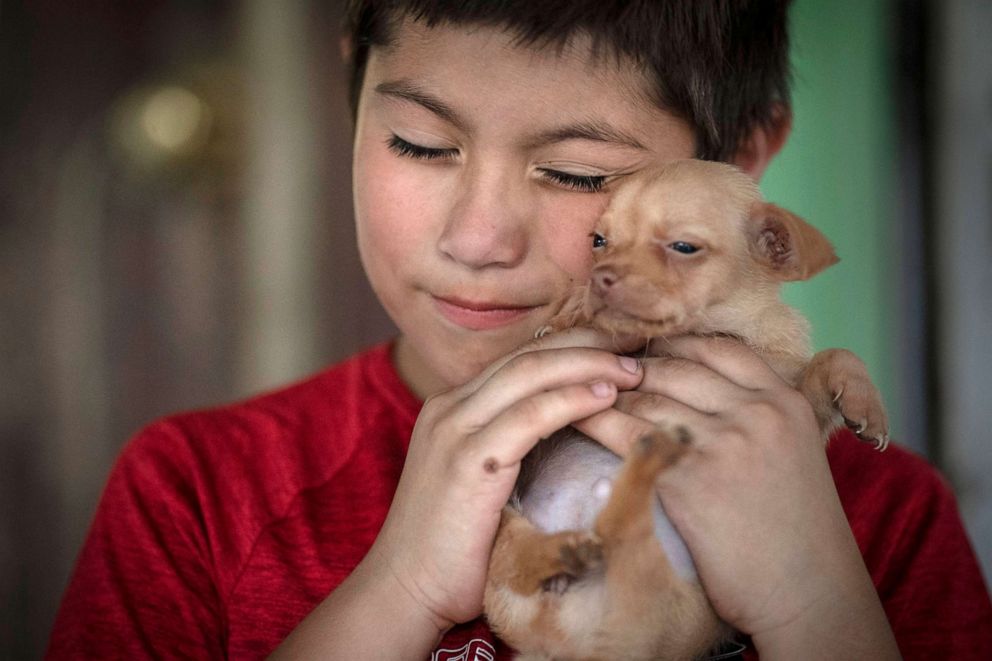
x=567, y=233
x=390, y=206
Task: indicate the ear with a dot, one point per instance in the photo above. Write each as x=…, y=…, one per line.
x=346, y=47
x=787, y=245
x=758, y=150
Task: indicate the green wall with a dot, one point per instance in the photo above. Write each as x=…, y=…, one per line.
x=837, y=171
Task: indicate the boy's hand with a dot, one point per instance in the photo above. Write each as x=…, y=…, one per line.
x=464, y=458
x=754, y=499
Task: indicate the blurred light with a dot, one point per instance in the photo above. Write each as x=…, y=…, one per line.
x=160, y=128
x=175, y=120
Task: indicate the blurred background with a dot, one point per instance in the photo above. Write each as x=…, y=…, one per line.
x=176, y=232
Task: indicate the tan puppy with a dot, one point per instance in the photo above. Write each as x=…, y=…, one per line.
x=585, y=564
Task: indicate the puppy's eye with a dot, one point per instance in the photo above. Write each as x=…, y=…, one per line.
x=683, y=247
x=598, y=241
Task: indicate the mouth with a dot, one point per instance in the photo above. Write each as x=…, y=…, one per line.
x=481, y=315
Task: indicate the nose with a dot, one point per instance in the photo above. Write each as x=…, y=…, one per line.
x=603, y=280
x=487, y=222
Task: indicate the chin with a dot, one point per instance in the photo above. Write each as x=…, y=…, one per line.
x=461, y=361
x=479, y=355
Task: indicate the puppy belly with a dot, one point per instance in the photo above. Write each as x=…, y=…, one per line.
x=572, y=486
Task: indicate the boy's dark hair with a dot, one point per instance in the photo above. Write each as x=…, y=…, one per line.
x=721, y=65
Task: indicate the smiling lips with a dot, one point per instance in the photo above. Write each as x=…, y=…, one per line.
x=481, y=316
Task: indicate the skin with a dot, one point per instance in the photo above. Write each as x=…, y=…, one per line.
x=498, y=217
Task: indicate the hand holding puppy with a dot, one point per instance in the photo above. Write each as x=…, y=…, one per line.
x=754, y=499
x=463, y=460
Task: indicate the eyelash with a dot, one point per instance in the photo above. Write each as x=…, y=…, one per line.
x=401, y=147
x=575, y=182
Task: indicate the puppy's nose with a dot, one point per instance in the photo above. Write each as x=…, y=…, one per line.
x=603, y=280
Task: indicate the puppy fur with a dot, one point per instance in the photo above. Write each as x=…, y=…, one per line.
x=688, y=248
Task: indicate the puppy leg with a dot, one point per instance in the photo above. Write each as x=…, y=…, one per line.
x=527, y=560
x=653, y=613
x=628, y=514
x=837, y=381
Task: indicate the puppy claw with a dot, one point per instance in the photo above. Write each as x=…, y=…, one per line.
x=863, y=413
x=857, y=427
x=879, y=441
x=543, y=330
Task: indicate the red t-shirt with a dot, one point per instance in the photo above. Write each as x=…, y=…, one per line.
x=219, y=531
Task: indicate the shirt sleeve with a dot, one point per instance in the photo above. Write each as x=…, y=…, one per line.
x=143, y=585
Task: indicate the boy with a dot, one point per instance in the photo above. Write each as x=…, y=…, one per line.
x=342, y=518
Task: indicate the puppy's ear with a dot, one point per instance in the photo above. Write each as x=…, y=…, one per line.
x=787, y=245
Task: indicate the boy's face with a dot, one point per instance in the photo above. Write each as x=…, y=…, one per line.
x=478, y=171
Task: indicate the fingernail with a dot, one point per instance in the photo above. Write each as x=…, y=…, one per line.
x=601, y=389
x=630, y=364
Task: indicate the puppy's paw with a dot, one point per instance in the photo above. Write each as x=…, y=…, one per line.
x=581, y=553
x=860, y=404
x=558, y=323
x=660, y=448
x=837, y=382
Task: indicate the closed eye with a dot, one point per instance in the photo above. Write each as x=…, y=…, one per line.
x=583, y=183
x=575, y=182
x=401, y=147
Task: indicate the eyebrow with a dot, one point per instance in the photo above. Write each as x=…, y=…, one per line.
x=588, y=130
x=407, y=91
x=584, y=130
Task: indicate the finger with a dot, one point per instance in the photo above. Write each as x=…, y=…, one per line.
x=569, y=338
x=616, y=430
x=635, y=414
x=619, y=431
x=514, y=432
x=585, y=336
x=693, y=384
x=654, y=408
x=530, y=373
x=726, y=356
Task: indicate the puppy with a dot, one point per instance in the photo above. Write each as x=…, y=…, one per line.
x=585, y=565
